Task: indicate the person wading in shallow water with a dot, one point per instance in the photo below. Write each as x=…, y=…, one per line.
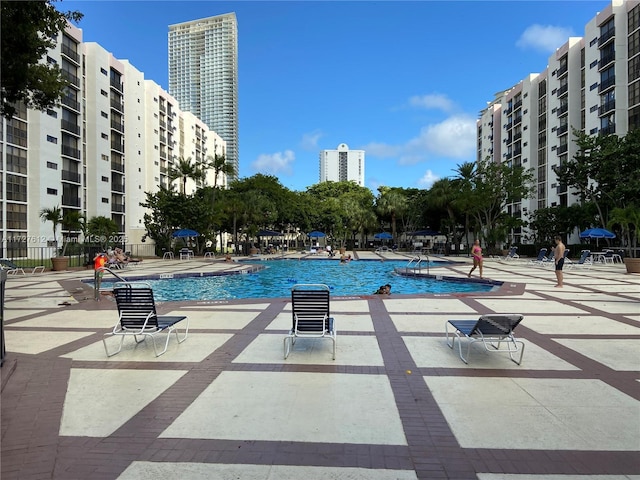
x=476, y=251
x=558, y=256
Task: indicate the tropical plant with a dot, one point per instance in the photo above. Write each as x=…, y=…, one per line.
x=219, y=165
x=101, y=230
x=628, y=221
x=183, y=170
x=393, y=203
x=55, y=216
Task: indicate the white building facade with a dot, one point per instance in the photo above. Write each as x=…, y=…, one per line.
x=114, y=137
x=203, y=75
x=342, y=164
x=591, y=84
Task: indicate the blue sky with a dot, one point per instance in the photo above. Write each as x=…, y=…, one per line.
x=404, y=81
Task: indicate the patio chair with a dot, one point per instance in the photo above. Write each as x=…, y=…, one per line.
x=310, y=315
x=492, y=330
x=512, y=255
x=540, y=258
x=12, y=268
x=137, y=317
x=585, y=261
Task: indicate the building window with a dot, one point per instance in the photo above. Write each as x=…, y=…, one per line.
x=104, y=93
x=52, y=166
x=103, y=71
x=16, y=188
x=104, y=157
x=104, y=114
x=51, y=139
x=105, y=179
x=52, y=113
x=52, y=191
x=105, y=136
x=105, y=200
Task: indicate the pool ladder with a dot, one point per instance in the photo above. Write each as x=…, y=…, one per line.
x=415, y=264
x=98, y=280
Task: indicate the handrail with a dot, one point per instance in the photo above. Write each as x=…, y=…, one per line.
x=98, y=280
x=418, y=263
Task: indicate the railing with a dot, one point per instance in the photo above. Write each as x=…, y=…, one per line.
x=415, y=264
x=97, y=280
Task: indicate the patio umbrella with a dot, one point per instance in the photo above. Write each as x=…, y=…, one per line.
x=316, y=234
x=597, y=233
x=185, y=232
x=383, y=236
x=425, y=233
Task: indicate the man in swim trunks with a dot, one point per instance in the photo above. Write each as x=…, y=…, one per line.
x=558, y=256
x=476, y=251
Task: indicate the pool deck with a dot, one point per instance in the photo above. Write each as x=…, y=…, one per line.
x=396, y=403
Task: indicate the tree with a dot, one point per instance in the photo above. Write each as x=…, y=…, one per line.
x=628, y=221
x=29, y=31
x=219, y=165
x=53, y=215
x=102, y=229
x=185, y=170
x=391, y=202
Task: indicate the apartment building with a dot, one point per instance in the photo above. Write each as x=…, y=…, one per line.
x=114, y=137
x=591, y=84
x=203, y=75
x=342, y=164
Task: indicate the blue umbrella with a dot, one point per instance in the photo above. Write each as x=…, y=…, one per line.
x=316, y=234
x=185, y=232
x=383, y=236
x=269, y=233
x=597, y=233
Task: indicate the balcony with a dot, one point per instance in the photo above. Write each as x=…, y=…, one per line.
x=605, y=84
x=70, y=127
x=517, y=121
x=117, y=145
x=517, y=136
x=563, y=109
x=116, y=104
x=563, y=90
x=562, y=70
x=71, y=78
x=606, y=107
x=560, y=189
x=117, y=187
x=605, y=60
x=71, y=103
x=71, y=54
x=70, y=151
x=117, y=126
x=69, y=176
x=562, y=149
x=562, y=129
x=117, y=207
x=517, y=105
x=117, y=166
x=608, y=130
x=115, y=84
x=605, y=37
x=70, y=201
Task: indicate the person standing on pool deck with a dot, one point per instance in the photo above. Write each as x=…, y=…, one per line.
x=476, y=251
x=558, y=256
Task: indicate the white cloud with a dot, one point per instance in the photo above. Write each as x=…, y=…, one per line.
x=437, y=101
x=310, y=140
x=428, y=179
x=455, y=138
x=274, y=163
x=544, y=38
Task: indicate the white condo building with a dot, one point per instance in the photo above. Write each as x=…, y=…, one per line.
x=342, y=164
x=592, y=84
x=114, y=137
x=203, y=75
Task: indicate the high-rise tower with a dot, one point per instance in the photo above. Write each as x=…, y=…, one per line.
x=203, y=75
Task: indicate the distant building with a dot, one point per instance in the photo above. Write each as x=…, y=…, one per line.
x=591, y=84
x=342, y=164
x=203, y=75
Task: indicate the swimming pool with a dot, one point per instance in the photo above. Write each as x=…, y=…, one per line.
x=360, y=277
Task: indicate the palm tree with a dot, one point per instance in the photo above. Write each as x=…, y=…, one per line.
x=184, y=169
x=629, y=221
x=391, y=202
x=219, y=165
x=55, y=216
x=72, y=221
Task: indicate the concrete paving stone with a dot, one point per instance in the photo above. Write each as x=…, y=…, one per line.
x=436, y=304
x=13, y=313
x=344, y=323
x=433, y=352
x=195, y=348
x=34, y=342
x=579, y=325
x=200, y=471
x=350, y=350
x=510, y=305
x=76, y=319
x=617, y=354
x=98, y=402
x=286, y=406
x=218, y=319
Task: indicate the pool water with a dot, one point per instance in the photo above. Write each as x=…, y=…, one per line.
x=360, y=277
